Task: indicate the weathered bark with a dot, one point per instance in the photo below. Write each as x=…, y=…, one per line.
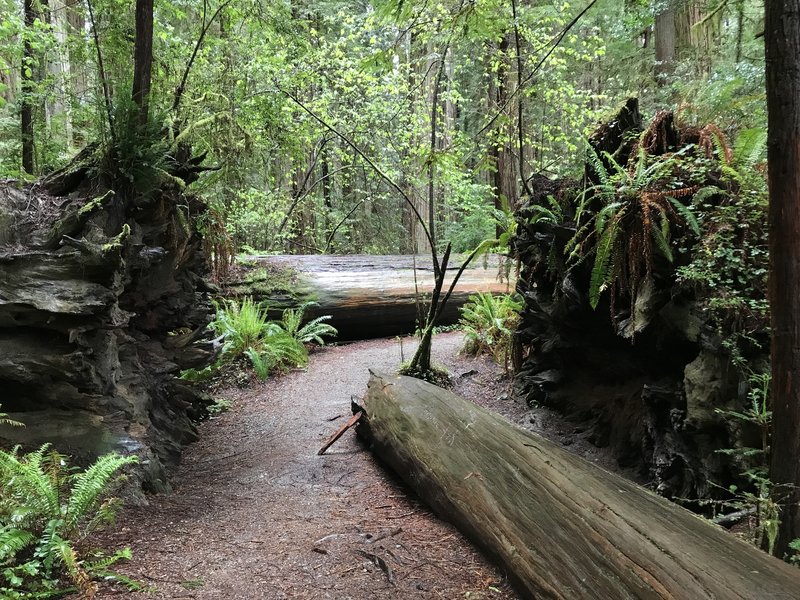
x=367, y=296
x=562, y=527
x=501, y=152
x=665, y=45
x=26, y=96
x=782, y=38
x=143, y=58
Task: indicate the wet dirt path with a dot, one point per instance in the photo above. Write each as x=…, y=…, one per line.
x=257, y=514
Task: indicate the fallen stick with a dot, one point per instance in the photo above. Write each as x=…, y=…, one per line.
x=339, y=432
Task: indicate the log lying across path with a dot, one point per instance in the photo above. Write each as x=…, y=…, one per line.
x=562, y=527
x=366, y=296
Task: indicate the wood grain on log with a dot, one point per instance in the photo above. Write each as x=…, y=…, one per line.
x=367, y=296
x=563, y=527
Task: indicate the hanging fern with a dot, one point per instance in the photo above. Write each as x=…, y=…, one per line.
x=638, y=205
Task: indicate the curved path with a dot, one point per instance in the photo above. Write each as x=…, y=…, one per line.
x=257, y=514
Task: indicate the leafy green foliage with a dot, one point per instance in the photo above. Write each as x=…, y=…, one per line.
x=640, y=205
x=729, y=267
x=489, y=322
x=756, y=464
x=269, y=345
x=47, y=510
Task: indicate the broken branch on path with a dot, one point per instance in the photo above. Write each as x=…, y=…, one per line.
x=339, y=432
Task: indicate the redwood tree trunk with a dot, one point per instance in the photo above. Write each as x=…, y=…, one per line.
x=26, y=101
x=782, y=38
x=143, y=57
x=665, y=45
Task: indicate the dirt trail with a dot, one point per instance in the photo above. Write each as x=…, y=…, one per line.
x=257, y=514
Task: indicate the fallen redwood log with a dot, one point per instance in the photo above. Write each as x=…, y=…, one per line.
x=562, y=527
x=367, y=296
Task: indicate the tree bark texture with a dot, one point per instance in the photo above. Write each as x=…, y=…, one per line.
x=782, y=38
x=26, y=100
x=143, y=58
x=562, y=527
x=665, y=45
x=367, y=296
x=101, y=298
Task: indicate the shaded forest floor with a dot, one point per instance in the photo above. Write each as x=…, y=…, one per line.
x=257, y=514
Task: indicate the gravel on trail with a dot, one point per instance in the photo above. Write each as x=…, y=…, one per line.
x=255, y=513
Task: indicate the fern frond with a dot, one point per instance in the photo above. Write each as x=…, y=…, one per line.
x=661, y=240
x=706, y=192
x=315, y=330
x=687, y=214
x=602, y=263
x=749, y=147
x=263, y=363
x=597, y=166
x=90, y=486
x=13, y=540
x=26, y=480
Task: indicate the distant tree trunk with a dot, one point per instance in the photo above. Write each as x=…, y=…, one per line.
x=143, y=58
x=782, y=39
x=59, y=107
x=665, y=45
x=77, y=72
x=501, y=149
x=739, y=29
x=26, y=97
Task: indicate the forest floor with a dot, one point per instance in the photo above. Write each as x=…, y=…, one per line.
x=255, y=513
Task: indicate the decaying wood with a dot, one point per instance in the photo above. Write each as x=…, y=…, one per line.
x=366, y=296
x=562, y=527
x=101, y=297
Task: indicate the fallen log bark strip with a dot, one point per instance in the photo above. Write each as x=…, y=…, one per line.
x=562, y=527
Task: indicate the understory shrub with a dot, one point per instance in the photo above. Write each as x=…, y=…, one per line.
x=269, y=345
x=47, y=510
x=489, y=323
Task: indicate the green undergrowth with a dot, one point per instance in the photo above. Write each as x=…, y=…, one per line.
x=48, y=510
x=269, y=346
x=436, y=375
x=489, y=322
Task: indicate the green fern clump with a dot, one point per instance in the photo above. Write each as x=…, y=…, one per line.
x=242, y=325
x=639, y=206
x=47, y=510
x=268, y=345
x=488, y=322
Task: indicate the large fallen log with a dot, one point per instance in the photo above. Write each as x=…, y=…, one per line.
x=366, y=296
x=562, y=527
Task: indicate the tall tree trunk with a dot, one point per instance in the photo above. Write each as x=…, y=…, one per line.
x=59, y=107
x=665, y=45
x=143, y=58
x=782, y=39
x=26, y=97
x=501, y=150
